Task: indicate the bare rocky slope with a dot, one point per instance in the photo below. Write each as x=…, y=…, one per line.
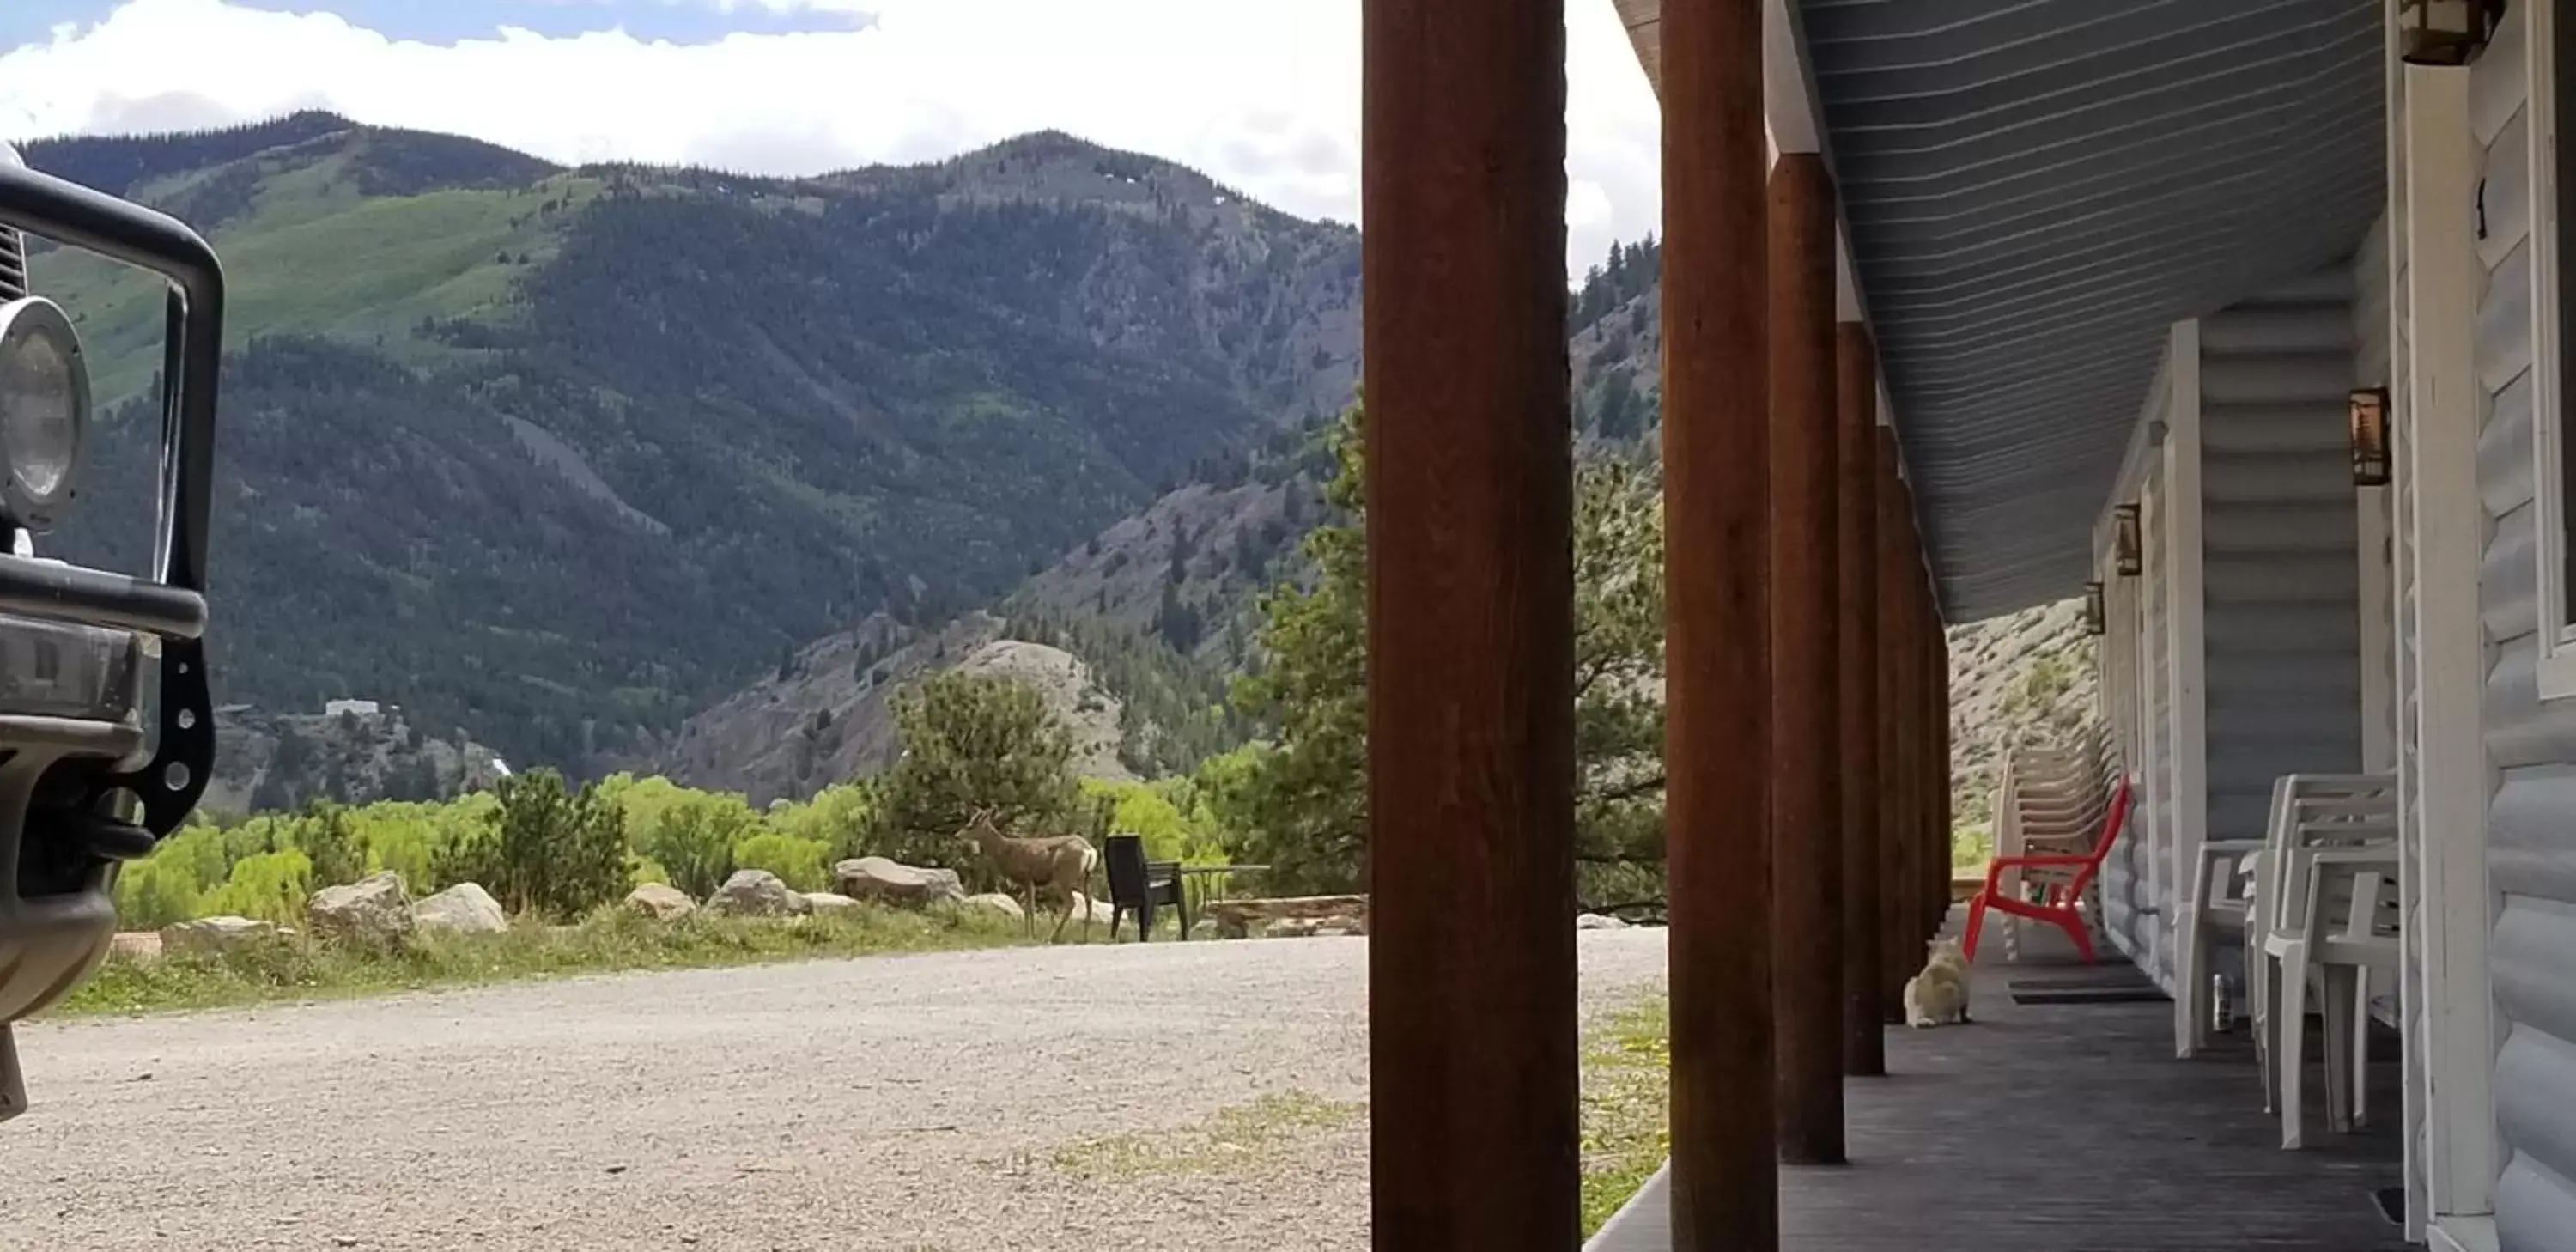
x=2031, y=675
x=829, y=715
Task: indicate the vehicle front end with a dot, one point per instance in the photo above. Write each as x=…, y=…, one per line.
x=106, y=728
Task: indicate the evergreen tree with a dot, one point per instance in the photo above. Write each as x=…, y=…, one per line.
x=970, y=743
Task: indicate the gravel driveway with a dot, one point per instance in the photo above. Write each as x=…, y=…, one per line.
x=1181, y=1096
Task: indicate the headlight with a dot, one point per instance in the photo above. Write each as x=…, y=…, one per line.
x=44, y=410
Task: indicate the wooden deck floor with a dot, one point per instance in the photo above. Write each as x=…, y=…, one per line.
x=2072, y=1128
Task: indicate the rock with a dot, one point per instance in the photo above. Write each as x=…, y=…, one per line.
x=876, y=878
x=373, y=910
x=1290, y=916
x=996, y=902
x=218, y=934
x=756, y=893
x=139, y=945
x=1098, y=912
x=1598, y=921
x=465, y=907
x=660, y=901
x=828, y=902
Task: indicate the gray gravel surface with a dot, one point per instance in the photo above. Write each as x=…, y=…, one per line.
x=1164, y=1096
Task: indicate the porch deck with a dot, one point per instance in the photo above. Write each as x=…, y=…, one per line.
x=2072, y=1128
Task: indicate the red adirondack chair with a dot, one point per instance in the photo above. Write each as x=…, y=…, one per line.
x=2058, y=897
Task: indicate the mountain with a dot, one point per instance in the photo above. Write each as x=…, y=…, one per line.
x=561, y=456
x=267, y=761
x=1161, y=608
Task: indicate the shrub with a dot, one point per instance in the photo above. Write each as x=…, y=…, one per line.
x=544, y=850
x=798, y=862
x=694, y=842
x=837, y=816
x=325, y=837
x=271, y=886
x=154, y=892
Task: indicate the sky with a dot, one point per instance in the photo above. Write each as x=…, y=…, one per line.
x=1260, y=94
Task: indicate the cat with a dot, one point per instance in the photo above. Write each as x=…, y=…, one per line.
x=1939, y=995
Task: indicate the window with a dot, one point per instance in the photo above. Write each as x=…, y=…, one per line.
x=2551, y=52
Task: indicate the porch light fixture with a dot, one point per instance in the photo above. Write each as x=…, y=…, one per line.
x=2130, y=554
x=2370, y=437
x=2094, y=620
x=2446, y=32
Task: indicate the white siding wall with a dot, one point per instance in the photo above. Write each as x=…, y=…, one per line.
x=2281, y=570
x=2531, y=746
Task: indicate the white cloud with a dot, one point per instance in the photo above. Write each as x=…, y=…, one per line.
x=1262, y=94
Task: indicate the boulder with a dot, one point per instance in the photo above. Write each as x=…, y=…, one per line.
x=828, y=902
x=996, y=902
x=876, y=878
x=756, y=893
x=660, y=901
x=1598, y=921
x=1097, y=912
x=1237, y=919
x=373, y=910
x=218, y=934
x=466, y=908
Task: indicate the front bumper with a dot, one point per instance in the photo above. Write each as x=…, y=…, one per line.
x=106, y=726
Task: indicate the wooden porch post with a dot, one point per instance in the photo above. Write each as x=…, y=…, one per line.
x=1856, y=571
x=1943, y=816
x=1898, y=959
x=1806, y=781
x=1473, y=1136
x=1936, y=763
x=1725, y=1175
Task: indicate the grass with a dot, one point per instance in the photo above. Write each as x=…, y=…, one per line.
x=297, y=969
x=1234, y=1137
x=1627, y=1064
x=315, y=257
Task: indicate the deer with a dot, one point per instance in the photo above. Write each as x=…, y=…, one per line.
x=1062, y=863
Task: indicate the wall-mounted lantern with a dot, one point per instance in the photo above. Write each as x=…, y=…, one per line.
x=2095, y=621
x=2126, y=549
x=2370, y=437
x=2446, y=32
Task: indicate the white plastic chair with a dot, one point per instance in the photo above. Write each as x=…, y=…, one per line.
x=2309, y=812
x=2339, y=916
x=2221, y=899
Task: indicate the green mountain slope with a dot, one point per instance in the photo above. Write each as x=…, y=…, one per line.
x=1161, y=607
x=557, y=456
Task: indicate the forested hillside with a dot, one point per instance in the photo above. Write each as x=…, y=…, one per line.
x=1163, y=606
x=561, y=456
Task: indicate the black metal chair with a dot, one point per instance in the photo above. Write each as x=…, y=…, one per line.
x=1136, y=885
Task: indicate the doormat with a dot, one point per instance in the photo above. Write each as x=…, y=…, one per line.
x=2092, y=995
x=2107, y=980
x=2392, y=1204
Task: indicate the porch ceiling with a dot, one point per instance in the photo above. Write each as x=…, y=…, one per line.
x=2033, y=191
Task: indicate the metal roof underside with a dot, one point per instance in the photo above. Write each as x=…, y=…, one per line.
x=2035, y=191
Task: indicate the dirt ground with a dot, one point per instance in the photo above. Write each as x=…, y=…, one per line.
x=1164, y=1096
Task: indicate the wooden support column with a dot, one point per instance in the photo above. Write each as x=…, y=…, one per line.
x=1898, y=960
x=1944, y=817
x=1857, y=640
x=1806, y=775
x=1907, y=716
x=1725, y=1174
x=1474, y=1138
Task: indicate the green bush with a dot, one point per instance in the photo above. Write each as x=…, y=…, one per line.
x=326, y=839
x=545, y=850
x=271, y=886
x=694, y=841
x=154, y=892
x=801, y=863
x=838, y=816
